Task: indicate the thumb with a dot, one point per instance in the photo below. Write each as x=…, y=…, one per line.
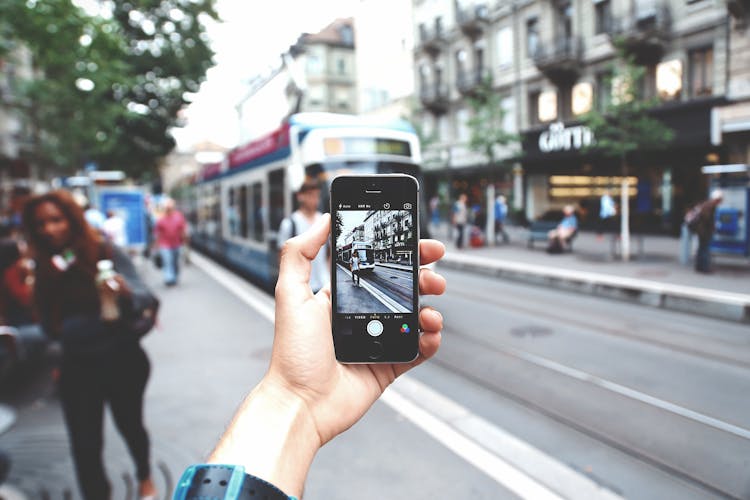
x=298, y=252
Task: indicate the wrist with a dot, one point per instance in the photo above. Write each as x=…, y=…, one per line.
x=273, y=436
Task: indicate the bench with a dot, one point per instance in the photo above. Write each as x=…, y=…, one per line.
x=539, y=231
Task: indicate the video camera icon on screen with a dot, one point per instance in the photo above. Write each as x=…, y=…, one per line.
x=407, y=206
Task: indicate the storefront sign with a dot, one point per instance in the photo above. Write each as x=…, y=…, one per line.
x=561, y=138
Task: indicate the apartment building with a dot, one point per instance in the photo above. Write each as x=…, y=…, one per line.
x=317, y=73
x=551, y=60
x=16, y=146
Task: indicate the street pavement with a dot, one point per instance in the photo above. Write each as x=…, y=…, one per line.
x=653, y=276
x=535, y=393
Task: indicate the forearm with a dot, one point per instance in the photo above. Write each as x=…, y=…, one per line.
x=273, y=436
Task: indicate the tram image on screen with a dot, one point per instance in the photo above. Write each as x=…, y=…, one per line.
x=375, y=252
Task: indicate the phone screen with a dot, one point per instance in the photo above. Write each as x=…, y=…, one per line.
x=375, y=264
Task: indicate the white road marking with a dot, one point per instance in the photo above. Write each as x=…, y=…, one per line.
x=628, y=392
x=512, y=463
x=384, y=299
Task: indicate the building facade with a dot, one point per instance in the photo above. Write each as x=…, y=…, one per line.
x=317, y=73
x=551, y=61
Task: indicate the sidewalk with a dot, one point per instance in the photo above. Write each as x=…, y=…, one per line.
x=654, y=277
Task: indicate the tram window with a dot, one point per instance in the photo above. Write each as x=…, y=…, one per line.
x=242, y=210
x=257, y=211
x=231, y=213
x=276, y=198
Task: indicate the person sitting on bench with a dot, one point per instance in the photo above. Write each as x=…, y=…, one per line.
x=561, y=236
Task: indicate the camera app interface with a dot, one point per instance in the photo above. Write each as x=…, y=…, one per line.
x=375, y=257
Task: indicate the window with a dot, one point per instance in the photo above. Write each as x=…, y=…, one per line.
x=341, y=66
x=532, y=36
x=508, y=105
x=256, y=216
x=534, y=107
x=603, y=90
x=701, y=72
x=242, y=209
x=346, y=34
x=462, y=119
x=505, y=47
x=565, y=20
x=276, y=198
x=314, y=64
x=232, y=216
x=461, y=64
x=603, y=10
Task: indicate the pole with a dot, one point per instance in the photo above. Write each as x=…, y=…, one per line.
x=624, y=214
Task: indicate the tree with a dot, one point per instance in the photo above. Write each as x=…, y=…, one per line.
x=625, y=127
x=108, y=86
x=487, y=123
x=488, y=132
x=339, y=224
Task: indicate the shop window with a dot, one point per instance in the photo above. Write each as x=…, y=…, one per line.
x=231, y=213
x=532, y=36
x=701, y=72
x=603, y=12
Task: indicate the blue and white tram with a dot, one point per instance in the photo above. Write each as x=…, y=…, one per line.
x=236, y=207
x=363, y=250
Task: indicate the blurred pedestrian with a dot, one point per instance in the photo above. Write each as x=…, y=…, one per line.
x=302, y=219
x=170, y=233
x=102, y=360
x=501, y=214
x=460, y=217
x=16, y=284
x=306, y=398
x=354, y=267
x=114, y=229
x=701, y=220
x=435, y=212
x=559, y=238
x=607, y=212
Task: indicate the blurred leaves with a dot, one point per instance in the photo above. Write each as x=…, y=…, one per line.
x=487, y=123
x=107, y=86
x=626, y=124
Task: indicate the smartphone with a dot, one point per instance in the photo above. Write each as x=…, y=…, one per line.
x=375, y=268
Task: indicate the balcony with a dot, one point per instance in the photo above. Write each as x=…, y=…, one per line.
x=432, y=39
x=435, y=98
x=644, y=33
x=473, y=20
x=740, y=9
x=468, y=82
x=560, y=59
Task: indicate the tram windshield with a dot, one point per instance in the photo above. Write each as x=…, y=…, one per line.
x=366, y=256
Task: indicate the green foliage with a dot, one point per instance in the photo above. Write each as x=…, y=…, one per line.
x=487, y=122
x=625, y=125
x=339, y=223
x=108, y=87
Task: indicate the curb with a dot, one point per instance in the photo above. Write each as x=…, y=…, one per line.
x=705, y=302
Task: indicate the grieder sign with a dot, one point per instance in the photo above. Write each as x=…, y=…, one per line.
x=560, y=138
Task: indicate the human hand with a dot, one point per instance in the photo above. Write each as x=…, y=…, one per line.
x=307, y=397
x=303, y=363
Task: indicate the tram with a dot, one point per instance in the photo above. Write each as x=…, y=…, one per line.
x=363, y=250
x=235, y=207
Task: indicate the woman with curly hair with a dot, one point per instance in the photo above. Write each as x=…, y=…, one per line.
x=102, y=361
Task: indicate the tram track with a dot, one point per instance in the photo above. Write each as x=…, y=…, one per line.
x=476, y=375
x=393, y=281
x=736, y=353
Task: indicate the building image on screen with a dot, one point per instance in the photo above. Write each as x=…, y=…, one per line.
x=375, y=252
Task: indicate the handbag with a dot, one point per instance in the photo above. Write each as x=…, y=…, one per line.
x=158, y=261
x=142, y=309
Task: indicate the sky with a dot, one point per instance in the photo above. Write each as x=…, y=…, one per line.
x=249, y=39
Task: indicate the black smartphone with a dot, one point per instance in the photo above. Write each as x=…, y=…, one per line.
x=375, y=268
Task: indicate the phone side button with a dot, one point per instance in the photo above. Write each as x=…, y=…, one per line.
x=376, y=350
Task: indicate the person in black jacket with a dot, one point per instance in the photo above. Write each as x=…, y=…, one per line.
x=103, y=362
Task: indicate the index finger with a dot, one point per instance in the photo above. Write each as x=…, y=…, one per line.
x=430, y=251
